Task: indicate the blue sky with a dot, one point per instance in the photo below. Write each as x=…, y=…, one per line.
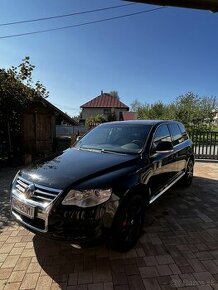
x=148, y=57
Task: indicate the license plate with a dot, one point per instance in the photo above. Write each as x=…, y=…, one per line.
x=23, y=208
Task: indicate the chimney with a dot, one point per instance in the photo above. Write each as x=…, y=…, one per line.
x=102, y=93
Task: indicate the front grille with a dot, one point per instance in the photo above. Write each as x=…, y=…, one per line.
x=40, y=193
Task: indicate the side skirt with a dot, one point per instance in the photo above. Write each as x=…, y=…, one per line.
x=166, y=188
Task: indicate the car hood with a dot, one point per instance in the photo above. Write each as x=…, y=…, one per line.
x=74, y=166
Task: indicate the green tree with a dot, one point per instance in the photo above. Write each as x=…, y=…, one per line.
x=158, y=110
x=95, y=120
x=114, y=94
x=195, y=112
x=17, y=90
x=135, y=105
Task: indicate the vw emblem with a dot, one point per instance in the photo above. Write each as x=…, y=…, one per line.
x=29, y=192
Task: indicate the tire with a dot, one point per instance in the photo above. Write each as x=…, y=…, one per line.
x=128, y=223
x=188, y=177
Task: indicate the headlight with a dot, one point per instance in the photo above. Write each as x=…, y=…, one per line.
x=87, y=198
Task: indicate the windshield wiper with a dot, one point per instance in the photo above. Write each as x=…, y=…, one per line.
x=100, y=150
x=111, y=151
x=90, y=149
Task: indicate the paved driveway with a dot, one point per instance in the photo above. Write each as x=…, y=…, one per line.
x=178, y=249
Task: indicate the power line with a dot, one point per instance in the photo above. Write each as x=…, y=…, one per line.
x=81, y=24
x=65, y=15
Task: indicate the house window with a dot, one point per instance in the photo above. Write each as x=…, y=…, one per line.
x=107, y=111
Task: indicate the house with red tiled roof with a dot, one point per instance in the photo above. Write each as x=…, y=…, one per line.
x=106, y=105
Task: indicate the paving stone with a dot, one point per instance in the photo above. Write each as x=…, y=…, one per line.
x=164, y=280
x=150, y=261
x=121, y=287
x=205, y=255
x=188, y=280
x=30, y=281
x=140, y=252
x=3, y=283
x=73, y=279
x=148, y=272
x=96, y=286
x=210, y=266
x=10, y=261
x=85, y=278
x=5, y=273
x=102, y=277
x=12, y=286
x=119, y=278
x=196, y=265
x=151, y=284
x=204, y=278
x=61, y=286
x=205, y=287
x=16, y=276
x=6, y=248
x=181, y=261
x=16, y=251
x=135, y=282
x=108, y=286
x=44, y=282
x=131, y=269
x=164, y=270
x=174, y=268
x=22, y=263
x=164, y=259
x=186, y=269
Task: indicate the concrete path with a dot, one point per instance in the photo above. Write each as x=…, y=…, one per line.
x=178, y=249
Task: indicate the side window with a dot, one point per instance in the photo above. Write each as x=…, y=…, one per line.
x=183, y=130
x=162, y=134
x=176, y=134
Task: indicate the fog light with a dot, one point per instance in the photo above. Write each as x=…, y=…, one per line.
x=76, y=246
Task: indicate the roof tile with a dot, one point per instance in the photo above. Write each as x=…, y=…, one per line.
x=105, y=101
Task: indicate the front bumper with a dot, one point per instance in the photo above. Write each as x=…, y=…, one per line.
x=53, y=220
x=60, y=227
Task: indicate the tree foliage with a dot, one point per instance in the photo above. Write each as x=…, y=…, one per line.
x=114, y=94
x=17, y=90
x=197, y=113
x=95, y=120
x=154, y=111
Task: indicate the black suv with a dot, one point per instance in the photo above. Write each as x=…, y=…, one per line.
x=104, y=182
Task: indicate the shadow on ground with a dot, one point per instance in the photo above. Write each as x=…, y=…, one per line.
x=183, y=216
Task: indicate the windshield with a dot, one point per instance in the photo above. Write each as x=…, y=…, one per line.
x=120, y=138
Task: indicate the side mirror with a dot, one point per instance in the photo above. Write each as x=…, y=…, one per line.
x=164, y=147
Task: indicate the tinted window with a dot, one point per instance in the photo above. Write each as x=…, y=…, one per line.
x=161, y=134
x=176, y=134
x=183, y=130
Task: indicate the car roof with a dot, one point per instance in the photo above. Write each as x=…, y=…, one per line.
x=140, y=122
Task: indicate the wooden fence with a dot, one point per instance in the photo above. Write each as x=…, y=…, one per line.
x=205, y=144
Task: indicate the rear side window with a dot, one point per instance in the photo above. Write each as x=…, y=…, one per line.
x=183, y=130
x=176, y=134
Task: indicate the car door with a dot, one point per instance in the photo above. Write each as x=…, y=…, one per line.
x=163, y=163
x=178, y=139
